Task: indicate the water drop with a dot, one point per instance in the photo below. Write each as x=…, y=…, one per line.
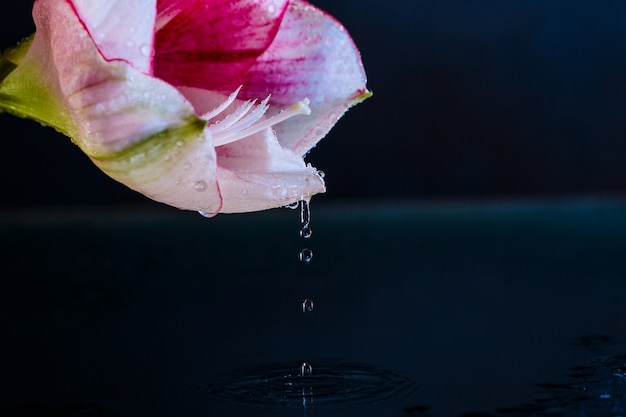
x=187, y=166
x=306, y=232
x=200, y=186
x=307, y=306
x=209, y=210
x=306, y=369
x=306, y=255
x=305, y=213
x=292, y=206
x=321, y=174
x=180, y=143
x=130, y=44
x=145, y=50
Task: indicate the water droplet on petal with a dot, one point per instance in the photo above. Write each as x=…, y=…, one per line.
x=187, y=166
x=307, y=306
x=130, y=44
x=306, y=255
x=306, y=369
x=145, y=50
x=206, y=214
x=321, y=174
x=293, y=205
x=200, y=186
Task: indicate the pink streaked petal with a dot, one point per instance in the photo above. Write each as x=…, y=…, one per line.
x=122, y=29
x=311, y=57
x=208, y=43
x=112, y=104
x=256, y=173
x=251, y=191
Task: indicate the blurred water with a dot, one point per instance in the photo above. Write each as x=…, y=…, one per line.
x=503, y=309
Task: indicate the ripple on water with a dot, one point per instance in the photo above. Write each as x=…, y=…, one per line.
x=348, y=384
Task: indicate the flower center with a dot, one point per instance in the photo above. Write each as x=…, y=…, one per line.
x=247, y=119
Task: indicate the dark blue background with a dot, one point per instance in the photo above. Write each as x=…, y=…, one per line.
x=472, y=99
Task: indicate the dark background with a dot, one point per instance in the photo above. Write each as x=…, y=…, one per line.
x=472, y=99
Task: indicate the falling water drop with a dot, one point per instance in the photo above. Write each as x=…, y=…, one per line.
x=307, y=306
x=306, y=370
x=306, y=255
x=305, y=219
x=306, y=232
x=305, y=212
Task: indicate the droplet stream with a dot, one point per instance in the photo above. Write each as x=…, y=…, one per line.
x=305, y=255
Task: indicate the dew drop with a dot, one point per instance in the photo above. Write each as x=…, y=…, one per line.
x=206, y=214
x=187, y=166
x=306, y=255
x=306, y=369
x=307, y=306
x=292, y=206
x=200, y=186
x=321, y=174
x=145, y=50
x=130, y=44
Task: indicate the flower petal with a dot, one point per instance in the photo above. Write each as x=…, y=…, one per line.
x=256, y=172
x=138, y=129
x=311, y=57
x=121, y=29
x=208, y=43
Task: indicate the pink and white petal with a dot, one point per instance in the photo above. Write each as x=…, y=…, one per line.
x=184, y=178
x=122, y=29
x=249, y=191
x=256, y=173
x=111, y=103
x=311, y=57
x=138, y=129
x=209, y=43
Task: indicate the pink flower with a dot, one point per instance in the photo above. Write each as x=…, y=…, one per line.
x=206, y=105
